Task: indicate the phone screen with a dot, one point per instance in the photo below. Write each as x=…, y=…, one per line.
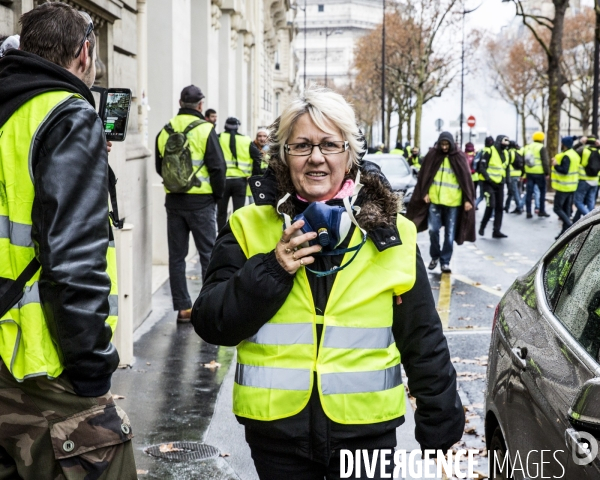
x=116, y=114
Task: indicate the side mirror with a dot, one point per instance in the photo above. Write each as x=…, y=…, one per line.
x=584, y=414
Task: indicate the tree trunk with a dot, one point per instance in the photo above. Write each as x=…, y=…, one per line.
x=418, y=116
x=555, y=78
x=523, y=124
x=388, y=120
x=408, y=127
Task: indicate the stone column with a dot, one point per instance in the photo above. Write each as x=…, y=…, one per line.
x=227, y=70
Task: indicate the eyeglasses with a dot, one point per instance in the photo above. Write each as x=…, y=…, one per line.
x=326, y=148
x=88, y=31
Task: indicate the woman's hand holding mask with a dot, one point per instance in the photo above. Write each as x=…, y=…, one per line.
x=287, y=251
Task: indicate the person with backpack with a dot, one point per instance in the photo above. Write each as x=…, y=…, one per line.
x=190, y=161
x=489, y=141
x=514, y=174
x=58, y=284
x=565, y=178
x=589, y=170
x=241, y=154
x=537, y=170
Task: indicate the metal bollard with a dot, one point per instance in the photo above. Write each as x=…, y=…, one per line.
x=123, y=337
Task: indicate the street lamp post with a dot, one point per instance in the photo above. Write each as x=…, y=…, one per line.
x=383, y=78
x=327, y=35
x=596, y=93
x=462, y=72
x=304, y=44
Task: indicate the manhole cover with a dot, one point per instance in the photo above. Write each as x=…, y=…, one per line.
x=179, y=451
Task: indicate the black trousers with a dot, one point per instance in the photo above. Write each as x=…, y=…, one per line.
x=563, y=207
x=180, y=223
x=494, y=201
x=273, y=465
x=235, y=188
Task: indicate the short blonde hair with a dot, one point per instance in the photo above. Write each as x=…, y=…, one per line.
x=324, y=106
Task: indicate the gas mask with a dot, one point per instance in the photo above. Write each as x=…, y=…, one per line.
x=331, y=223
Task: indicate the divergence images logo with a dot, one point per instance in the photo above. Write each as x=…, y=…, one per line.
x=584, y=446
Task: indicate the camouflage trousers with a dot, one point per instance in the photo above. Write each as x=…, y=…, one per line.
x=47, y=432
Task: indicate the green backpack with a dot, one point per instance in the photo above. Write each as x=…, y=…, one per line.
x=177, y=169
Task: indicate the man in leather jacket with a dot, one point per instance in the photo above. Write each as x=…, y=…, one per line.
x=59, y=420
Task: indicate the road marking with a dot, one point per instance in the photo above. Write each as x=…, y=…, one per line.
x=444, y=297
x=500, y=264
x=511, y=270
x=488, y=257
x=473, y=283
x=468, y=331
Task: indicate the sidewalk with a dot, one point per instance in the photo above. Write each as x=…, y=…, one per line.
x=170, y=396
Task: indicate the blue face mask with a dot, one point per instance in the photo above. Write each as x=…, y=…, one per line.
x=332, y=224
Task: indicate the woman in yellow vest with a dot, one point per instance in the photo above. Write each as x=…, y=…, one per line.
x=321, y=287
x=565, y=178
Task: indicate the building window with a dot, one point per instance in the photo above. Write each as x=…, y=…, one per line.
x=321, y=7
x=277, y=97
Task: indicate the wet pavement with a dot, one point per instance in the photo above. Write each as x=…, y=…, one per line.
x=169, y=394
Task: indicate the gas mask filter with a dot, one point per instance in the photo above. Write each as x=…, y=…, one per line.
x=331, y=223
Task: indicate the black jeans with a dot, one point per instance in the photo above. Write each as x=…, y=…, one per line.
x=563, y=207
x=180, y=223
x=235, y=188
x=273, y=465
x=539, y=180
x=494, y=201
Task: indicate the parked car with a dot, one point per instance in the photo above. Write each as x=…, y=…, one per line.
x=543, y=380
x=401, y=176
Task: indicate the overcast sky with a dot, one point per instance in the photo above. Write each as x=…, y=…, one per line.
x=492, y=113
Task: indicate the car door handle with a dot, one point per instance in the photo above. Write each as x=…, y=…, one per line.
x=574, y=440
x=518, y=356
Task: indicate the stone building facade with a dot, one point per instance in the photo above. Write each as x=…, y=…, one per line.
x=239, y=52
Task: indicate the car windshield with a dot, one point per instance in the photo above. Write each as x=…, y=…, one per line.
x=391, y=166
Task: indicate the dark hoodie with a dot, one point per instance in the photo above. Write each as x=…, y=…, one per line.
x=69, y=216
x=418, y=210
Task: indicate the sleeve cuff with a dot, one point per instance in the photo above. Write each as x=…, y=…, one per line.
x=274, y=269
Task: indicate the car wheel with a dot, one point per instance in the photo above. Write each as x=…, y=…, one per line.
x=497, y=454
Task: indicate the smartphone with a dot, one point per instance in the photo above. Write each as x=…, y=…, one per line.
x=115, y=113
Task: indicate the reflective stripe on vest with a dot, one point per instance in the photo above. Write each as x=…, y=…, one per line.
x=243, y=166
x=26, y=345
x=496, y=168
x=566, y=182
x=197, y=139
x=585, y=158
x=535, y=150
x=357, y=365
x=445, y=189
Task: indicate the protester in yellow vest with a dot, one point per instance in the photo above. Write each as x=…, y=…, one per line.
x=587, y=189
x=414, y=160
x=261, y=142
x=58, y=306
x=492, y=173
x=320, y=338
x=565, y=178
x=516, y=163
x=240, y=154
x=192, y=211
x=537, y=172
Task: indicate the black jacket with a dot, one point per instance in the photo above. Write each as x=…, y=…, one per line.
x=483, y=164
x=70, y=217
x=215, y=163
x=240, y=295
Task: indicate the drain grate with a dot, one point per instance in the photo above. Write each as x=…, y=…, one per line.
x=180, y=451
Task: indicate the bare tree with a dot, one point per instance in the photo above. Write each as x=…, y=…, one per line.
x=553, y=48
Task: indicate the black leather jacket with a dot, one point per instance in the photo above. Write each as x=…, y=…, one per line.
x=70, y=218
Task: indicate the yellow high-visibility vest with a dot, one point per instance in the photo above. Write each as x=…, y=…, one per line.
x=496, y=168
x=445, y=189
x=535, y=150
x=26, y=346
x=357, y=364
x=242, y=166
x=197, y=139
x=566, y=182
x=585, y=157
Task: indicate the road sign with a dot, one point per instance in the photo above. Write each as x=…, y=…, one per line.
x=439, y=123
x=471, y=121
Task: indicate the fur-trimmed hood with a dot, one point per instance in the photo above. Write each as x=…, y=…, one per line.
x=378, y=203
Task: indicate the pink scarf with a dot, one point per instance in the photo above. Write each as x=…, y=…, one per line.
x=346, y=191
